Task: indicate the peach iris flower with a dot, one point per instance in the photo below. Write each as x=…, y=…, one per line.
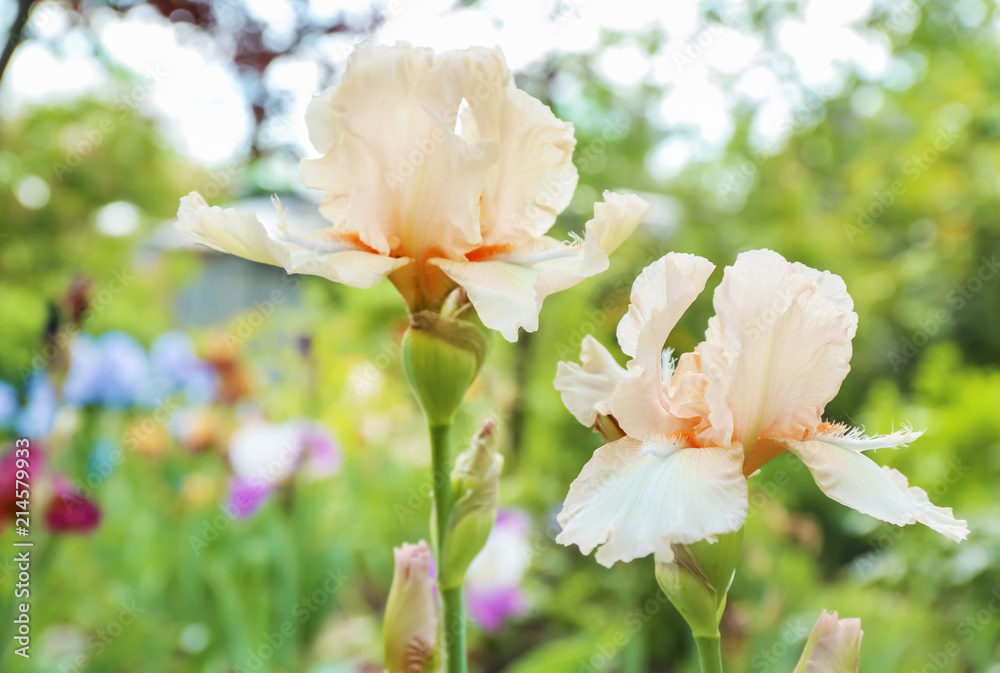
x=774, y=355
x=436, y=171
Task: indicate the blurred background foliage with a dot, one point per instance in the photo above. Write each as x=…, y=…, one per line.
x=893, y=184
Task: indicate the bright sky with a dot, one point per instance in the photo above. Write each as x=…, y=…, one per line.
x=707, y=69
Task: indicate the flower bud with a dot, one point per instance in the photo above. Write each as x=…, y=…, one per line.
x=409, y=631
x=698, y=580
x=475, y=482
x=834, y=646
x=441, y=356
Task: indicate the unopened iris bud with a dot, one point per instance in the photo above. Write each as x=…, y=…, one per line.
x=441, y=357
x=834, y=646
x=475, y=483
x=697, y=581
x=409, y=631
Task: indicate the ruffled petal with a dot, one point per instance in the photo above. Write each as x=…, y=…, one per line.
x=687, y=388
x=328, y=252
x=507, y=285
x=637, y=498
x=237, y=232
x=392, y=170
x=586, y=391
x=640, y=406
x=660, y=295
x=777, y=349
x=847, y=475
x=534, y=178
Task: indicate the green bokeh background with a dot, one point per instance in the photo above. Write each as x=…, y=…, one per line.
x=926, y=353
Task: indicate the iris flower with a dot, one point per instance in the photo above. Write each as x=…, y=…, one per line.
x=436, y=171
x=263, y=456
x=774, y=355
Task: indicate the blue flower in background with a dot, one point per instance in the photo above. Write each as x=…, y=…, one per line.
x=172, y=355
x=83, y=381
x=101, y=461
x=126, y=370
x=8, y=404
x=115, y=371
x=177, y=368
x=112, y=370
x=39, y=413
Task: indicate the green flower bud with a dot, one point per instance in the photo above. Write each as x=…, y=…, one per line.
x=441, y=357
x=697, y=581
x=475, y=483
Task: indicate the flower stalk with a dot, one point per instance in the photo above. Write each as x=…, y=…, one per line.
x=441, y=357
x=453, y=613
x=709, y=653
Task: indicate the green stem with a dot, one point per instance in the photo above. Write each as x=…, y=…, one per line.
x=710, y=653
x=454, y=630
x=453, y=617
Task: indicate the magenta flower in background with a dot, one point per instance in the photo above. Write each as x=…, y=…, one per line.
x=265, y=455
x=69, y=511
x=66, y=510
x=493, y=582
x=8, y=475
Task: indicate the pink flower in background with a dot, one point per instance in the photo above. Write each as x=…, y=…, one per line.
x=265, y=455
x=65, y=510
x=493, y=582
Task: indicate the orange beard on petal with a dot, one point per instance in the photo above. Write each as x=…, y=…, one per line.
x=488, y=252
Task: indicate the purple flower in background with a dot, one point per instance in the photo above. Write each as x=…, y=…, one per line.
x=112, y=370
x=246, y=496
x=321, y=453
x=8, y=473
x=82, y=384
x=176, y=367
x=39, y=413
x=8, y=404
x=493, y=581
x=126, y=369
x=264, y=455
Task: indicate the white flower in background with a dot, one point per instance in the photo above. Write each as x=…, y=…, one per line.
x=409, y=630
x=264, y=455
x=774, y=355
x=436, y=171
x=493, y=582
x=834, y=646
